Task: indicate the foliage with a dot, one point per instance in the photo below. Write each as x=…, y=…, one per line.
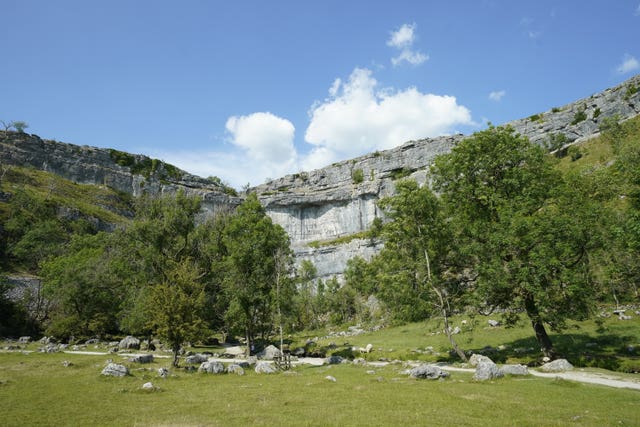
x=357, y=175
x=400, y=173
x=579, y=116
x=18, y=125
x=526, y=231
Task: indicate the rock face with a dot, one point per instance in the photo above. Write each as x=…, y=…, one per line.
x=316, y=207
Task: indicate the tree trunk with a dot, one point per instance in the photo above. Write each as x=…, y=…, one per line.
x=546, y=346
x=175, y=356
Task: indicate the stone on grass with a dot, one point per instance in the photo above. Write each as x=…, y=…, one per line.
x=493, y=323
x=147, y=386
x=50, y=348
x=129, y=343
x=142, y=358
x=487, y=370
x=115, y=370
x=269, y=353
x=475, y=359
x=264, y=368
x=429, y=372
x=515, y=370
x=234, y=368
x=211, y=367
x=558, y=365
x=163, y=372
x=24, y=340
x=196, y=358
x=330, y=378
x=334, y=360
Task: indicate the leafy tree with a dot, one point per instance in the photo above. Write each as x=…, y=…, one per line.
x=417, y=270
x=18, y=125
x=175, y=306
x=259, y=258
x=526, y=232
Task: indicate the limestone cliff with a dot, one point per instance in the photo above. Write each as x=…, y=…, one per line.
x=322, y=210
x=340, y=200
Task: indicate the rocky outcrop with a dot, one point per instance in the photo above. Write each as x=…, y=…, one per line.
x=320, y=206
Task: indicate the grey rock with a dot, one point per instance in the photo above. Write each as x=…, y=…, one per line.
x=142, y=358
x=493, y=323
x=330, y=378
x=115, y=370
x=334, y=360
x=129, y=343
x=514, y=370
x=211, y=367
x=196, y=358
x=163, y=372
x=269, y=353
x=235, y=368
x=558, y=365
x=264, y=368
x=24, y=340
x=487, y=370
x=426, y=371
x=50, y=348
x=476, y=359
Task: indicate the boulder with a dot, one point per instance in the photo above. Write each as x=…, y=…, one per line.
x=115, y=370
x=493, y=323
x=514, y=370
x=269, y=353
x=429, y=372
x=163, y=372
x=24, y=340
x=558, y=365
x=264, y=368
x=211, y=367
x=129, y=343
x=475, y=359
x=334, y=360
x=330, y=378
x=487, y=370
x=142, y=358
x=196, y=358
x=234, y=368
x=147, y=386
x=50, y=348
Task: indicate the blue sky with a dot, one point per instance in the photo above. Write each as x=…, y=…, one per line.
x=250, y=90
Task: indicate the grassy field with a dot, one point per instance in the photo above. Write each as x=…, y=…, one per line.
x=37, y=389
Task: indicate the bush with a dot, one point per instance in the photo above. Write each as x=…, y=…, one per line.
x=357, y=176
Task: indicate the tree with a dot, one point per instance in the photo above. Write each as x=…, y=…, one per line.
x=259, y=258
x=174, y=307
x=417, y=270
x=18, y=125
x=524, y=231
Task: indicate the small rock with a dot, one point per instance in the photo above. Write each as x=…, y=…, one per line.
x=334, y=360
x=330, y=378
x=493, y=323
x=624, y=317
x=371, y=372
x=558, y=365
x=211, y=367
x=163, y=372
x=129, y=343
x=196, y=358
x=66, y=363
x=24, y=340
x=142, y=358
x=456, y=330
x=115, y=370
x=148, y=386
x=264, y=368
x=359, y=361
x=429, y=372
x=487, y=370
x=234, y=368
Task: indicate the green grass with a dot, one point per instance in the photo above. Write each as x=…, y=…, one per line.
x=36, y=389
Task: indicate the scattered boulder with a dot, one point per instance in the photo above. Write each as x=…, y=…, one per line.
x=24, y=340
x=269, y=353
x=163, y=372
x=558, y=365
x=147, y=386
x=624, y=317
x=514, y=370
x=129, y=343
x=475, y=359
x=330, y=378
x=142, y=358
x=429, y=372
x=196, y=358
x=66, y=363
x=298, y=352
x=211, y=367
x=50, y=348
x=334, y=360
x=92, y=341
x=487, y=370
x=115, y=370
x=234, y=368
x=493, y=323
x=359, y=361
x=264, y=368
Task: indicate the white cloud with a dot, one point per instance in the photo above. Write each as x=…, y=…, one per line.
x=497, y=95
x=403, y=40
x=629, y=63
x=359, y=118
x=637, y=12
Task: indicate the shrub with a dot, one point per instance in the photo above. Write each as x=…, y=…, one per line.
x=580, y=116
x=357, y=176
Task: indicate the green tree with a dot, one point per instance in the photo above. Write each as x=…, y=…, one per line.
x=175, y=306
x=417, y=270
x=258, y=266
x=525, y=232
